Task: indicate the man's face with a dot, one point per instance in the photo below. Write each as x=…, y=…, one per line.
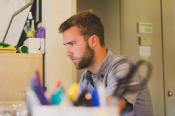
x=78, y=48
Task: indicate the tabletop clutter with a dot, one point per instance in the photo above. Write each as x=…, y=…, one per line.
x=74, y=97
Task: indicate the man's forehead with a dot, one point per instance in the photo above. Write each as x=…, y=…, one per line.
x=70, y=37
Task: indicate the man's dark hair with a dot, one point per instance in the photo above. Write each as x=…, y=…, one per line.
x=88, y=23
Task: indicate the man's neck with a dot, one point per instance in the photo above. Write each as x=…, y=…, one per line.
x=99, y=56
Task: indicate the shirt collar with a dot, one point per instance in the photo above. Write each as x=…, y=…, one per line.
x=101, y=71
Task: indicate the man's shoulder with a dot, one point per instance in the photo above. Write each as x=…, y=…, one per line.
x=117, y=60
x=112, y=58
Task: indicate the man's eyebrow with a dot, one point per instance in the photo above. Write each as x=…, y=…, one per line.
x=71, y=42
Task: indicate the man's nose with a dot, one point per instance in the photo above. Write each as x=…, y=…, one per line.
x=69, y=51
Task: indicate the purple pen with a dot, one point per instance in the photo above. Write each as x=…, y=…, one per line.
x=39, y=90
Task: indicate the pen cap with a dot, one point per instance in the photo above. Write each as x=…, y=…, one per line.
x=58, y=85
x=57, y=97
x=23, y=49
x=73, y=92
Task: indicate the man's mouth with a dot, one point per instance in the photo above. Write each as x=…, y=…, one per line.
x=74, y=60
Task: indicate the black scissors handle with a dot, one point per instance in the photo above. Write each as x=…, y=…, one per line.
x=123, y=83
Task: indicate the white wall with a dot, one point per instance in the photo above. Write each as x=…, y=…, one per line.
x=7, y=8
x=57, y=64
x=108, y=11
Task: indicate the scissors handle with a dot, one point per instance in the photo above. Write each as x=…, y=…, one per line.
x=124, y=86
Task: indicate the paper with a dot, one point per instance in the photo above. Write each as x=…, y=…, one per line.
x=145, y=52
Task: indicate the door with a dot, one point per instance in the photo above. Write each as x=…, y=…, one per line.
x=145, y=11
x=168, y=9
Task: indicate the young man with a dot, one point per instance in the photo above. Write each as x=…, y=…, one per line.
x=83, y=36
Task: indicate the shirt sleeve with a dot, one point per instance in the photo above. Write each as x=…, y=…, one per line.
x=118, y=70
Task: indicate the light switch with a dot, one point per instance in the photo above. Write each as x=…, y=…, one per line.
x=145, y=28
x=145, y=41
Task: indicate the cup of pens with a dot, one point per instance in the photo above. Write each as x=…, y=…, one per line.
x=78, y=101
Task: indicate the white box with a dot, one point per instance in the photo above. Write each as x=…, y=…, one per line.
x=35, y=45
x=74, y=111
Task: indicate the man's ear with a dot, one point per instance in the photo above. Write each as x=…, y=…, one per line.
x=93, y=41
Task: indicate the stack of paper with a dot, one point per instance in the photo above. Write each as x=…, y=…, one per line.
x=6, y=48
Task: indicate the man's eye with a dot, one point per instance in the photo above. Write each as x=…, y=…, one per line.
x=71, y=44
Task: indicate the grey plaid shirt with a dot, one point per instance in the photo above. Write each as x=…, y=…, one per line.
x=112, y=69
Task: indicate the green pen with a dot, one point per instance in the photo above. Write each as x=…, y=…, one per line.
x=57, y=97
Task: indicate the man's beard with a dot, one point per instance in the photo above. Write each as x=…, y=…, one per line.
x=87, y=58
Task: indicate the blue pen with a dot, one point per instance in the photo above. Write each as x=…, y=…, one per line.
x=95, y=98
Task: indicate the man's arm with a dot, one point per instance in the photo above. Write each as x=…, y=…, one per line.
x=121, y=103
x=119, y=69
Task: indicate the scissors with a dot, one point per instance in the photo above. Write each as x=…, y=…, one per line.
x=142, y=69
